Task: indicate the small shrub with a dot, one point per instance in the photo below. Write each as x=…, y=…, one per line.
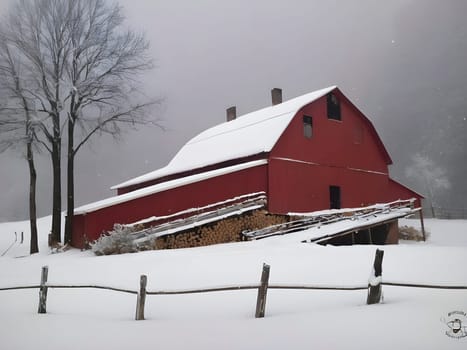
x=410, y=233
x=117, y=241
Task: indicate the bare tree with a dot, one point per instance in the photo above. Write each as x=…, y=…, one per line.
x=82, y=68
x=429, y=177
x=104, y=62
x=16, y=116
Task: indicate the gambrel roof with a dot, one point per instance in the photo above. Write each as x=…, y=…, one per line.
x=253, y=133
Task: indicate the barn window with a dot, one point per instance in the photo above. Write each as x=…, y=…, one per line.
x=307, y=126
x=334, y=107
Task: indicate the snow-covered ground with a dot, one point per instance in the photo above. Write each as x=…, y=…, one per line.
x=95, y=319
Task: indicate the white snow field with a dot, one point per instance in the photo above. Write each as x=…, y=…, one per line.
x=409, y=318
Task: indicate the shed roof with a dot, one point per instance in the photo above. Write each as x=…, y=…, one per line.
x=250, y=134
x=146, y=191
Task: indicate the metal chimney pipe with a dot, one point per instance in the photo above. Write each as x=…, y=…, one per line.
x=276, y=96
x=231, y=113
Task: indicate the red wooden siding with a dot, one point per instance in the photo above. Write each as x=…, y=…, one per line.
x=398, y=191
x=300, y=187
x=167, y=202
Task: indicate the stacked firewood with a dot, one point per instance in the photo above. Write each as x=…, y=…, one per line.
x=223, y=231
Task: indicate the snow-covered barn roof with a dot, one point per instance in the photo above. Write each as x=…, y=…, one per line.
x=250, y=134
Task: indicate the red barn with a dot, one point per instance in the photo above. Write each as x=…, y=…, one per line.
x=313, y=152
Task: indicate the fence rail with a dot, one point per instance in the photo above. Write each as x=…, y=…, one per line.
x=416, y=285
x=373, y=287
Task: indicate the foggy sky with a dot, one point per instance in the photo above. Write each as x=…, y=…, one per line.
x=402, y=62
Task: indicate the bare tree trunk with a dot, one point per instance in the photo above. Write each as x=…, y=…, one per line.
x=34, y=248
x=56, y=193
x=70, y=182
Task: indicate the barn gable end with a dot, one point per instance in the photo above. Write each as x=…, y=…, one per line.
x=346, y=154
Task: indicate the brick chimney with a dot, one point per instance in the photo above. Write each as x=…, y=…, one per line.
x=231, y=113
x=276, y=95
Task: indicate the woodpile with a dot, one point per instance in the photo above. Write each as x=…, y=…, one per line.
x=410, y=233
x=223, y=231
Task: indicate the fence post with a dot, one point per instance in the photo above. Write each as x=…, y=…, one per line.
x=422, y=225
x=141, y=299
x=374, y=282
x=262, y=292
x=43, y=291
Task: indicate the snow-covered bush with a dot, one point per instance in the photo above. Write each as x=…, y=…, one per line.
x=118, y=241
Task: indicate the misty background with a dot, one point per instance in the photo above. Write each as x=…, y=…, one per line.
x=402, y=62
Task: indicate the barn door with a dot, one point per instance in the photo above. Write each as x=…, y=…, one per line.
x=335, y=197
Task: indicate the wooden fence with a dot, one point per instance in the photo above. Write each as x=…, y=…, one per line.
x=374, y=288
x=449, y=213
